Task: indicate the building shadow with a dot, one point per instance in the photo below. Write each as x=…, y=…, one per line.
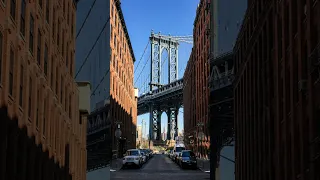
x=22, y=158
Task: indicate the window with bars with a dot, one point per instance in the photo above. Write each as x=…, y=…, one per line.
x=45, y=63
x=44, y=116
x=21, y=86
x=58, y=33
x=30, y=97
x=61, y=89
x=40, y=3
x=1, y=45
x=57, y=80
x=31, y=34
x=23, y=17
x=53, y=24
x=39, y=48
x=37, y=113
x=67, y=57
x=72, y=26
x=70, y=107
x=62, y=46
x=11, y=70
x=13, y=9
x=47, y=11
x=52, y=70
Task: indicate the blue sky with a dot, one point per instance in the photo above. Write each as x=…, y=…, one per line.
x=173, y=17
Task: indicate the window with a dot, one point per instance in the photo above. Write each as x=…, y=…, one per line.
x=62, y=48
x=58, y=34
x=53, y=25
x=52, y=70
x=40, y=3
x=1, y=38
x=61, y=88
x=72, y=28
x=37, y=114
x=13, y=9
x=56, y=80
x=30, y=96
x=21, y=86
x=31, y=34
x=67, y=57
x=47, y=11
x=39, y=47
x=23, y=17
x=44, y=116
x=11, y=72
x=45, y=63
x=70, y=107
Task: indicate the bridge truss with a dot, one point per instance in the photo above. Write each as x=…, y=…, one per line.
x=163, y=98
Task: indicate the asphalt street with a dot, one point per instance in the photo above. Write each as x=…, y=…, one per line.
x=159, y=167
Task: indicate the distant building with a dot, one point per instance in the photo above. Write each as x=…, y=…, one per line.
x=164, y=134
x=139, y=135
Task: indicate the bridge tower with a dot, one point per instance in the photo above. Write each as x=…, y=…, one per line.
x=158, y=44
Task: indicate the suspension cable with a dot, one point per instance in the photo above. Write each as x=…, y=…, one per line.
x=142, y=70
x=145, y=49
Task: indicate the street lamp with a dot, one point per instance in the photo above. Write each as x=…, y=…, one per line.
x=118, y=134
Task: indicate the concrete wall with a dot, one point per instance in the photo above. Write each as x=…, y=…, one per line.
x=228, y=16
x=84, y=96
x=98, y=63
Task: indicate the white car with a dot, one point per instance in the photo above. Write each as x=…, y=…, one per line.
x=132, y=158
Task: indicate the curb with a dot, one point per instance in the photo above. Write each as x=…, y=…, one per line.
x=208, y=171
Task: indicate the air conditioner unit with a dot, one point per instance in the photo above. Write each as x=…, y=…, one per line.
x=302, y=85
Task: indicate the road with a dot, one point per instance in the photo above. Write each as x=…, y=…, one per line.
x=159, y=167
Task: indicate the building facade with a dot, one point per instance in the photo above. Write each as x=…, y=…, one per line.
x=123, y=97
x=196, y=79
x=276, y=92
x=41, y=135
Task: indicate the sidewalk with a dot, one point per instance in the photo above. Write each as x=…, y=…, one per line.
x=116, y=164
x=204, y=165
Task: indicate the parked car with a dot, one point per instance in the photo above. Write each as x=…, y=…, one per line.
x=187, y=159
x=132, y=157
x=144, y=157
x=178, y=158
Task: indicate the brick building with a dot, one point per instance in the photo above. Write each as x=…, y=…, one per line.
x=196, y=93
x=123, y=97
x=41, y=136
x=277, y=102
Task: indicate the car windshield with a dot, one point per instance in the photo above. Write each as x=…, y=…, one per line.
x=187, y=154
x=179, y=149
x=132, y=153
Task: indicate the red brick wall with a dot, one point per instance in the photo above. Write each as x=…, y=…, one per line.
x=275, y=134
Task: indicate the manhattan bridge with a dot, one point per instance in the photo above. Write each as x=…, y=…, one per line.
x=158, y=97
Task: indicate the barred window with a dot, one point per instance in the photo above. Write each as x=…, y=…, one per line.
x=11, y=70
x=31, y=34
x=23, y=17
x=21, y=86
x=13, y=9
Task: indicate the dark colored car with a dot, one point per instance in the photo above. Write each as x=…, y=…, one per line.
x=188, y=159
